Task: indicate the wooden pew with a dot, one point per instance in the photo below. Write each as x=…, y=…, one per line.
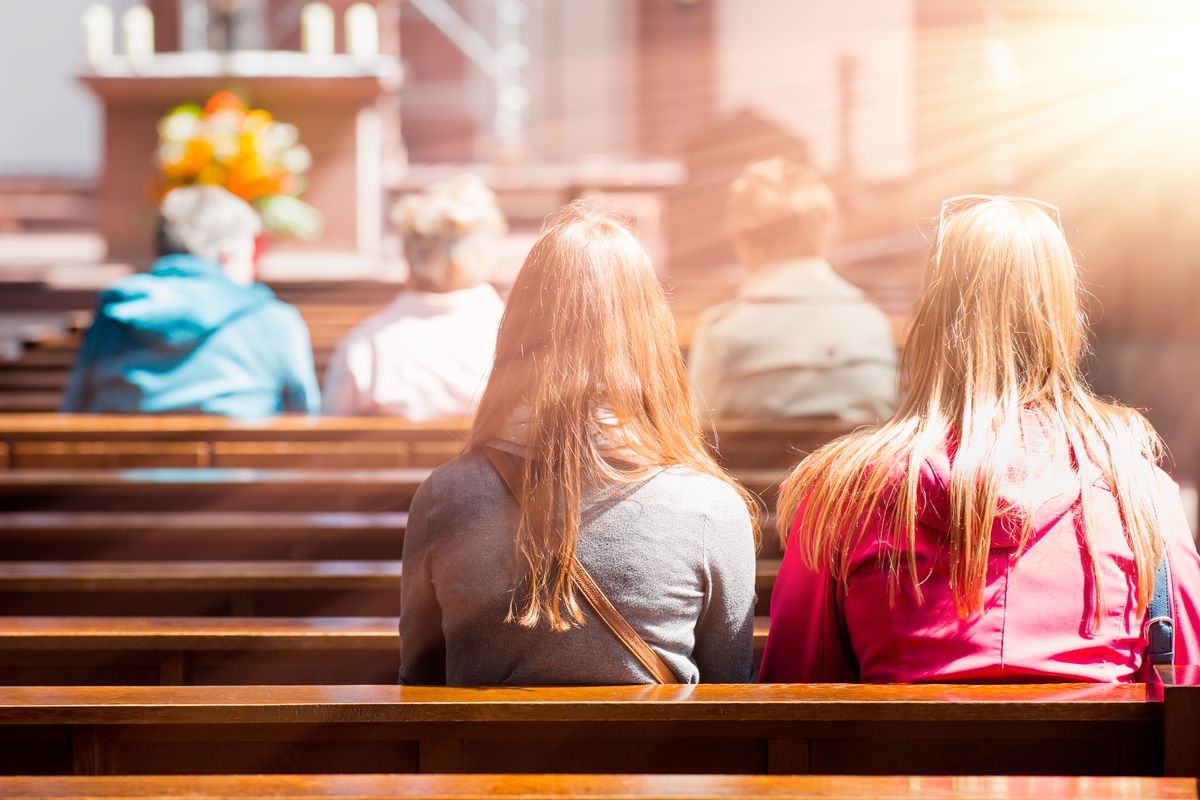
x=222, y=587
x=208, y=588
x=180, y=490
x=198, y=650
x=184, y=490
x=51, y=651
x=70, y=441
x=1179, y=689
x=613, y=787
x=145, y=536
x=84, y=441
x=1058, y=729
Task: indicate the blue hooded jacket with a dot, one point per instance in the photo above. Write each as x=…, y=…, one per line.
x=183, y=338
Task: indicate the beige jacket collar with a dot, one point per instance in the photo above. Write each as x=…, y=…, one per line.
x=797, y=279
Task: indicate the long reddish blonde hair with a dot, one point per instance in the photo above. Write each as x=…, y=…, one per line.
x=586, y=358
x=999, y=329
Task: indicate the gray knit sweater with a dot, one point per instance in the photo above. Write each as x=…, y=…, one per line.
x=675, y=555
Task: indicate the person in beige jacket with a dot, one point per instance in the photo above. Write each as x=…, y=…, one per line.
x=798, y=340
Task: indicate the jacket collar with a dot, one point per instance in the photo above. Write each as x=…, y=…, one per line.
x=185, y=265
x=411, y=301
x=797, y=279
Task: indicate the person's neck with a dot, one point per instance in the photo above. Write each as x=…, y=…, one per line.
x=811, y=263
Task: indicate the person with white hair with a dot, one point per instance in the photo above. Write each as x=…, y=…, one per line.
x=196, y=334
x=428, y=354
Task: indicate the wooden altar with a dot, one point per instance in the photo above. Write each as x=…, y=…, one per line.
x=332, y=100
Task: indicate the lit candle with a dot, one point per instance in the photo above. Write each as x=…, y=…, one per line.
x=137, y=28
x=362, y=31
x=98, y=34
x=316, y=29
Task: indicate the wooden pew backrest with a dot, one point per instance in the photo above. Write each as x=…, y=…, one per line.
x=832, y=729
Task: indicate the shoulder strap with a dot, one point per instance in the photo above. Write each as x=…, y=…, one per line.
x=508, y=467
x=616, y=623
x=1159, y=628
x=1160, y=621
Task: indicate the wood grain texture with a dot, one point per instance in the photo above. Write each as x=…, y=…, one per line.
x=1180, y=690
x=198, y=576
x=212, y=576
x=65, y=441
x=279, y=524
x=200, y=535
x=85, y=705
x=126, y=651
x=32, y=427
x=199, y=633
x=639, y=787
x=181, y=490
x=150, y=480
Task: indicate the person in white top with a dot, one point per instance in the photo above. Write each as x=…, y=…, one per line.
x=428, y=354
x=798, y=340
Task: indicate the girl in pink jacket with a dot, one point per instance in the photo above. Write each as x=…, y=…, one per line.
x=1006, y=524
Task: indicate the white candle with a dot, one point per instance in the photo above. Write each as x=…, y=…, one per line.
x=362, y=31
x=316, y=29
x=98, y=34
x=137, y=28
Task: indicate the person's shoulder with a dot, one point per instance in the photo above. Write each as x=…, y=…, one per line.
x=1169, y=507
x=272, y=310
x=715, y=315
x=464, y=476
x=932, y=483
x=389, y=330
x=702, y=491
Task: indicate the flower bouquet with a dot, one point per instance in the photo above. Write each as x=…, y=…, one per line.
x=244, y=150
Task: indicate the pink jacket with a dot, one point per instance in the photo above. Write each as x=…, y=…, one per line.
x=1033, y=627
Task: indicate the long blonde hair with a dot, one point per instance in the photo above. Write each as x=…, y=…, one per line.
x=999, y=329
x=586, y=358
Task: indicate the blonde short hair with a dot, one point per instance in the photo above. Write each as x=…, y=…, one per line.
x=450, y=231
x=780, y=209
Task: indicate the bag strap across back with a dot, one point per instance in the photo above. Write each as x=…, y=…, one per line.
x=1158, y=629
x=508, y=467
x=1160, y=621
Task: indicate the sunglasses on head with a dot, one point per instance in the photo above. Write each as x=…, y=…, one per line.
x=960, y=203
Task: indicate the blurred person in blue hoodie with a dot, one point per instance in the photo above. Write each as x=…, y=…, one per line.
x=195, y=334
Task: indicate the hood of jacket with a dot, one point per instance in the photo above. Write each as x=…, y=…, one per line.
x=180, y=301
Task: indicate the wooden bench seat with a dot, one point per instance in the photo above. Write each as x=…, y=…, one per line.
x=71, y=587
x=180, y=490
x=198, y=576
x=268, y=525
x=198, y=650
x=207, y=650
x=29, y=401
x=186, y=588
x=67, y=441
x=1057, y=729
x=613, y=787
x=231, y=489
x=127, y=536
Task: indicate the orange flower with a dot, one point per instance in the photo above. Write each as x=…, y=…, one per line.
x=224, y=101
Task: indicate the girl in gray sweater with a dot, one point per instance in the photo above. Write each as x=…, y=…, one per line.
x=588, y=399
